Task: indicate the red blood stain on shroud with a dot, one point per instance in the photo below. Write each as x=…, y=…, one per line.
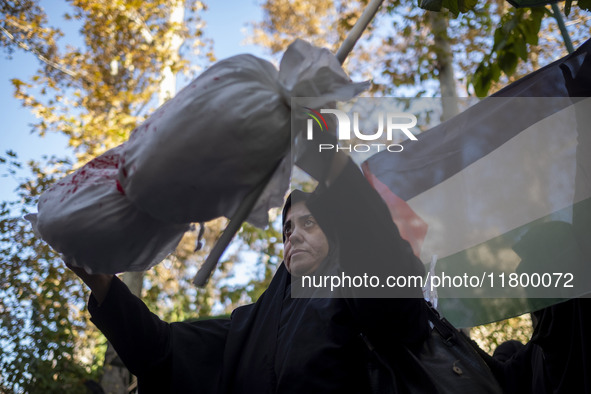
x=120, y=188
x=100, y=167
x=103, y=162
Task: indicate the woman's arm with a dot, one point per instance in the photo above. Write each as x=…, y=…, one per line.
x=98, y=283
x=370, y=245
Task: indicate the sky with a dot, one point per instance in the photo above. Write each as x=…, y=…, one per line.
x=226, y=25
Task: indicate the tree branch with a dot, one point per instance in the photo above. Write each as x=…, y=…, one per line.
x=39, y=55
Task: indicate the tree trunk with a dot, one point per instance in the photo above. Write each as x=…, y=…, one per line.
x=116, y=378
x=175, y=41
x=444, y=64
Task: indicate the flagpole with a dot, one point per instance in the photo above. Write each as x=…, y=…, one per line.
x=234, y=225
x=204, y=273
x=560, y=21
x=358, y=29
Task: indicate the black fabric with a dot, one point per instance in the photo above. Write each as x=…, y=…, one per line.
x=445, y=363
x=282, y=344
x=506, y=350
x=165, y=357
x=558, y=357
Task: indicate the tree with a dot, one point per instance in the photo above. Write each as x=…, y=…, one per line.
x=492, y=335
x=517, y=40
x=24, y=26
x=322, y=23
x=492, y=43
x=38, y=334
x=405, y=50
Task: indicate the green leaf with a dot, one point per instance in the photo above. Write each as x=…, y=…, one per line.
x=521, y=49
x=481, y=80
x=567, y=6
x=499, y=40
x=431, y=5
x=534, y=22
x=467, y=5
x=495, y=72
x=508, y=62
x=584, y=4
x=453, y=6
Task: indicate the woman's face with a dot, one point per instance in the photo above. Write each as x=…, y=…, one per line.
x=305, y=245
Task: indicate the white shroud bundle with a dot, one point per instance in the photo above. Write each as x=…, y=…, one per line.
x=194, y=159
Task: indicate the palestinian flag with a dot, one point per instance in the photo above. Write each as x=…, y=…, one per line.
x=502, y=192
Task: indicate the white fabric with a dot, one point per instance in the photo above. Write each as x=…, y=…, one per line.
x=194, y=159
x=199, y=155
x=87, y=219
